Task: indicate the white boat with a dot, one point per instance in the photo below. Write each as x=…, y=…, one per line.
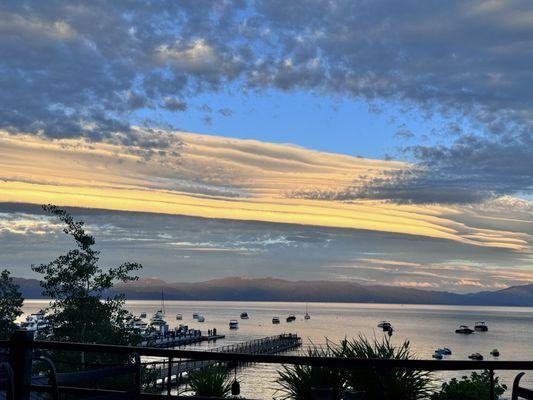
x=138, y=324
x=34, y=322
x=195, y=315
x=233, y=324
x=201, y=318
x=385, y=325
x=306, y=316
x=437, y=355
x=275, y=320
x=179, y=317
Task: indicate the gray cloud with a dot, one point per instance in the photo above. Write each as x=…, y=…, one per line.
x=85, y=68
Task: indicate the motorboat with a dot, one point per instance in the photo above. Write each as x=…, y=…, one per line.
x=195, y=315
x=464, y=329
x=437, y=355
x=244, y=315
x=291, y=318
x=307, y=316
x=201, y=318
x=495, y=353
x=385, y=325
x=34, y=322
x=275, y=320
x=476, y=356
x=157, y=317
x=481, y=326
x=138, y=324
x=143, y=315
x=446, y=351
x=233, y=324
x=179, y=317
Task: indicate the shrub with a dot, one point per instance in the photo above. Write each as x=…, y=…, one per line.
x=396, y=384
x=213, y=380
x=296, y=381
x=475, y=387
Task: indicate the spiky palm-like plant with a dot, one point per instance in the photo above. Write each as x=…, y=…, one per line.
x=297, y=381
x=210, y=381
x=395, y=384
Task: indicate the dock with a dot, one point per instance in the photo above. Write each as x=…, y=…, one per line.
x=267, y=345
x=180, y=340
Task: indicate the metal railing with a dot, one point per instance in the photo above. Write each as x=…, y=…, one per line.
x=21, y=348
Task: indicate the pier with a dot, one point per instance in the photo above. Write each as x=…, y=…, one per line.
x=269, y=345
x=190, y=337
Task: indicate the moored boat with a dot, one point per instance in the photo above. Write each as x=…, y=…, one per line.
x=464, y=330
x=179, y=317
x=233, y=324
x=244, y=315
x=437, y=355
x=495, y=353
x=143, y=315
x=201, y=318
x=275, y=320
x=476, y=356
x=195, y=315
x=291, y=318
x=385, y=325
x=480, y=326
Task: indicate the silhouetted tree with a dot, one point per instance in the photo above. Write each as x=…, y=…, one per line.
x=79, y=311
x=10, y=304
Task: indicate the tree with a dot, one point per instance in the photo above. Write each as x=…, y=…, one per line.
x=79, y=312
x=10, y=304
x=475, y=387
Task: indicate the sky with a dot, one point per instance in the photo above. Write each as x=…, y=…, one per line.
x=379, y=142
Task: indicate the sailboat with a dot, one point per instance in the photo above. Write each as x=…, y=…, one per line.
x=307, y=316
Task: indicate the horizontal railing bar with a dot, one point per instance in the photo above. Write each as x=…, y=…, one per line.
x=340, y=362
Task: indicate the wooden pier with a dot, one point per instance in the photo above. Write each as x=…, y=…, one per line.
x=268, y=345
x=180, y=340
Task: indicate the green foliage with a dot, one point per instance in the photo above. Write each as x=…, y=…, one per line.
x=212, y=381
x=10, y=304
x=79, y=311
x=396, y=384
x=475, y=387
x=296, y=381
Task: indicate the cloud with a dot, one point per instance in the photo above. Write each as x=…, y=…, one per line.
x=86, y=69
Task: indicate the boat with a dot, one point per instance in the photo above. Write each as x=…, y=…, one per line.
x=464, y=329
x=179, y=317
x=446, y=351
x=275, y=320
x=495, y=353
x=201, y=318
x=437, y=355
x=233, y=324
x=481, y=326
x=385, y=325
x=291, y=318
x=195, y=315
x=476, y=356
x=138, y=324
x=244, y=315
x=158, y=323
x=143, y=315
x=157, y=317
x=306, y=316
x=34, y=322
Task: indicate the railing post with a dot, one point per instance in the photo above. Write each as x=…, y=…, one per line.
x=169, y=376
x=491, y=389
x=20, y=356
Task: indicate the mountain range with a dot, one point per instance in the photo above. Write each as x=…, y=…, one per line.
x=271, y=289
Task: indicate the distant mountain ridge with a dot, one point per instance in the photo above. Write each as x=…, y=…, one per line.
x=272, y=289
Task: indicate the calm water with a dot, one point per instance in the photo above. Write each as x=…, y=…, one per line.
x=426, y=327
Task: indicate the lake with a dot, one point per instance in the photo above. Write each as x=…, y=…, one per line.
x=427, y=327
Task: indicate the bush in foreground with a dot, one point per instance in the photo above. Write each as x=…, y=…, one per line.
x=397, y=384
x=212, y=381
x=297, y=381
x=475, y=387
